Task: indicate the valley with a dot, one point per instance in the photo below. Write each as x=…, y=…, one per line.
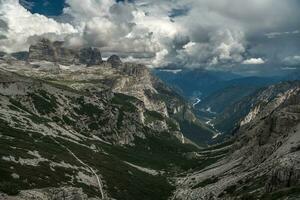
x=75, y=126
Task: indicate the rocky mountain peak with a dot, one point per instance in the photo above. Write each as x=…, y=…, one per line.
x=136, y=70
x=45, y=50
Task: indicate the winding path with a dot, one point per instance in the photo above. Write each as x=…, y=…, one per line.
x=84, y=164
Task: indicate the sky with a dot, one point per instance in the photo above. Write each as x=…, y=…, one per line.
x=248, y=36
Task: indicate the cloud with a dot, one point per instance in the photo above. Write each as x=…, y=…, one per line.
x=222, y=47
x=253, y=61
x=21, y=27
x=292, y=60
x=121, y=28
x=219, y=33
x=288, y=68
x=279, y=34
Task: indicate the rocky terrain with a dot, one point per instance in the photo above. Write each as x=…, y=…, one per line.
x=263, y=160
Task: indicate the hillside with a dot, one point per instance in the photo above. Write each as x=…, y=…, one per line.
x=91, y=128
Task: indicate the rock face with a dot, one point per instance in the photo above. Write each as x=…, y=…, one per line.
x=57, y=53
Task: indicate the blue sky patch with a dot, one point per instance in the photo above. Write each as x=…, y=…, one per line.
x=44, y=7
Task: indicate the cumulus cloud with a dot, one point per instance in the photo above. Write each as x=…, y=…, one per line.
x=253, y=61
x=121, y=28
x=222, y=47
x=19, y=26
x=184, y=33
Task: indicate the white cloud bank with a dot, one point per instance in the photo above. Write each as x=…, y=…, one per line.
x=19, y=25
x=253, y=61
x=208, y=33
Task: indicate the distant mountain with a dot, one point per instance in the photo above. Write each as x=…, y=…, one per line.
x=214, y=94
x=56, y=52
x=230, y=117
x=202, y=83
x=233, y=90
x=196, y=82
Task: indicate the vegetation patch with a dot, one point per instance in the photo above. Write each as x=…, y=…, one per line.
x=171, y=124
x=125, y=101
x=44, y=102
x=286, y=192
x=157, y=152
x=9, y=188
x=151, y=116
x=122, y=180
x=87, y=109
x=120, y=119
